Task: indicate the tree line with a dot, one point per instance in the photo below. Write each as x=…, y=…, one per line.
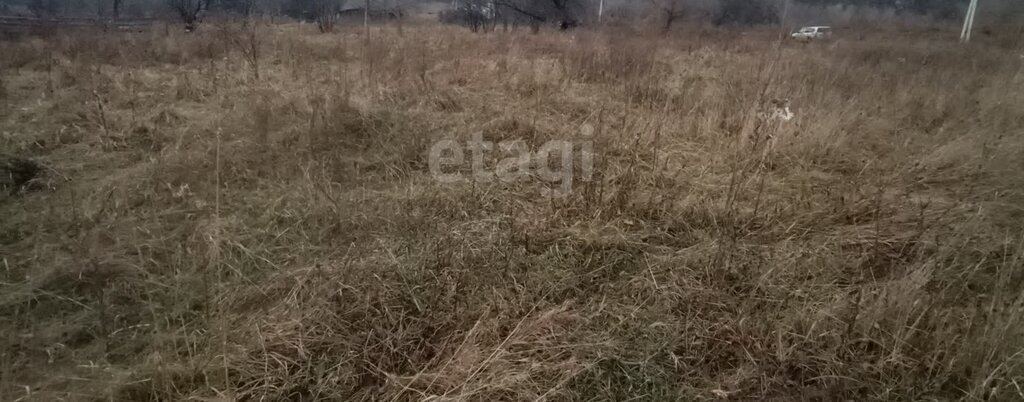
x=486, y=14
x=476, y=14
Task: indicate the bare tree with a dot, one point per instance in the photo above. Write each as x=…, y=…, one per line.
x=395, y=11
x=565, y=13
x=247, y=38
x=526, y=8
x=486, y=14
x=325, y=12
x=531, y=9
x=475, y=14
x=190, y=11
x=669, y=11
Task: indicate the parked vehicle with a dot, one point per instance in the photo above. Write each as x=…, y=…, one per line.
x=812, y=33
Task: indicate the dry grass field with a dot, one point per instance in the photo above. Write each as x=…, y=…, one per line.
x=249, y=214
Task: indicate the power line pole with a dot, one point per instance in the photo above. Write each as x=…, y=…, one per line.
x=600, y=11
x=965, y=34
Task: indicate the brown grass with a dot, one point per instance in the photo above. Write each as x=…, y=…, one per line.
x=198, y=233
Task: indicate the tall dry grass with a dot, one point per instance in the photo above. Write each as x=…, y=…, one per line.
x=198, y=233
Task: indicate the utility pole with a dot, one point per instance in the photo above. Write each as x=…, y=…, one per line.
x=366, y=21
x=965, y=34
x=600, y=11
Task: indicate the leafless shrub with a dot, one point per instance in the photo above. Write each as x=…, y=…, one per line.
x=669, y=11
x=325, y=13
x=189, y=11
x=247, y=38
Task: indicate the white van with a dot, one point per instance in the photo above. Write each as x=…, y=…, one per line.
x=810, y=33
